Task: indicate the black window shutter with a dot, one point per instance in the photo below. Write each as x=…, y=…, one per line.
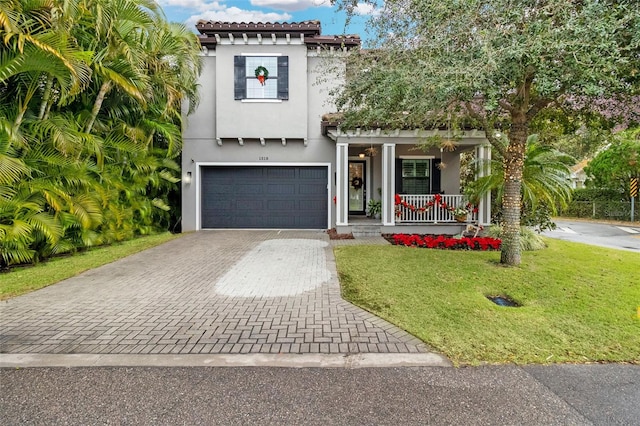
x=283, y=77
x=239, y=77
x=435, y=176
x=399, y=189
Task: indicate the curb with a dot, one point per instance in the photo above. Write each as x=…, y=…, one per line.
x=358, y=360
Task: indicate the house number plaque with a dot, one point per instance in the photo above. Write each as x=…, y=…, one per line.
x=263, y=158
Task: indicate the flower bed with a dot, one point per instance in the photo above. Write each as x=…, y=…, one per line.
x=446, y=242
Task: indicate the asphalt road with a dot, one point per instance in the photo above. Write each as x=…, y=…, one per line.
x=618, y=236
x=490, y=395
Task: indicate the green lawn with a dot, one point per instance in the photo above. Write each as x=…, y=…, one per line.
x=28, y=278
x=579, y=303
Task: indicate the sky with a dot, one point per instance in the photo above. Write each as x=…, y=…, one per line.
x=190, y=12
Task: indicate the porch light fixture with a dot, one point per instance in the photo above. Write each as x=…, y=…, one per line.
x=187, y=178
x=441, y=165
x=449, y=144
x=361, y=155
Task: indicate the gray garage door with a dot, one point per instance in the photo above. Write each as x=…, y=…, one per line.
x=264, y=197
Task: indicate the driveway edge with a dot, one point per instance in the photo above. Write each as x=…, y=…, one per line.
x=356, y=360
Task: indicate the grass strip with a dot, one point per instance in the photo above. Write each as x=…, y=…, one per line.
x=580, y=303
x=24, y=279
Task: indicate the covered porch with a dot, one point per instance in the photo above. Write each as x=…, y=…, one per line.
x=417, y=191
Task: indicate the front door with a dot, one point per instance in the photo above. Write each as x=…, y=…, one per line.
x=357, y=188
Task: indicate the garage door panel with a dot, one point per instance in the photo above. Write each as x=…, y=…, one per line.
x=281, y=173
x=221, y=222
x=281, y=205
x=313, y=205
x=277, y=222
x=218, y=204
x=247, y=205
x=249, y=188
x=280, y=189
x=246, y=172
x=307, y=221
x=311, y=189
x=312, y=173
x=264, y=197
x=223, y=189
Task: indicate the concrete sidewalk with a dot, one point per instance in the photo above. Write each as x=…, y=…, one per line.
x=218, y=292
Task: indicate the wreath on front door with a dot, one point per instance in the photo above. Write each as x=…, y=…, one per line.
x=262, y=74
x=356, y=182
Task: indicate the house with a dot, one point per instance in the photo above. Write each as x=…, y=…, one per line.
x=260, y=150
x=578, y=175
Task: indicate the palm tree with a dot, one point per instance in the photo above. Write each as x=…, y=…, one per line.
x=90, y=115
x=119, y=56
x=173, y=64
x=545, y=181
x=32, y=53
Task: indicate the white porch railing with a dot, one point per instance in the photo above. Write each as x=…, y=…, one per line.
x=431, y=208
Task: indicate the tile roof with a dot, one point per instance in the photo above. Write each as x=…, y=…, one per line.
x=216, y=27
x=310, y=30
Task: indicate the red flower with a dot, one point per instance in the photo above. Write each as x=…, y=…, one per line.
x=447, y=242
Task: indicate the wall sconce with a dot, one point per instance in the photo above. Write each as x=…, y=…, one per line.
x=361, y=155
x=187, y=178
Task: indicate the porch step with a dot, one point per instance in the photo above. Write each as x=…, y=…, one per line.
x=365, y=231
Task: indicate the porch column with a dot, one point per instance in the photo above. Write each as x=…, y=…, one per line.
x=483, y=153
x=342, y=178
x=388, y=184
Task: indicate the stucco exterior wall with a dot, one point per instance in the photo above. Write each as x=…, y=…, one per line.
x=220, y=116
x=325, y=73
x=202, y=123
x=450, y=180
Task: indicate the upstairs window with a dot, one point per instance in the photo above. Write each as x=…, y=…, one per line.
x=261, y=77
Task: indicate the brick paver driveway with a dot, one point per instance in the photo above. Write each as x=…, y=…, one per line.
x=207, y=293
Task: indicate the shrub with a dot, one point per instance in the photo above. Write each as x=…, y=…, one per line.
x=597, y=194
x=529, y=239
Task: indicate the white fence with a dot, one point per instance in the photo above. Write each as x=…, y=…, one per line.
x=431, y=208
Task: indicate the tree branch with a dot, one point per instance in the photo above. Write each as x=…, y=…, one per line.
x=504, y=104
x=528, y=82
x=537, y=106
x=488, y=129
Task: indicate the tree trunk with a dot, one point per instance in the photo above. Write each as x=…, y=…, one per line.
x=45, y=98
x=512, y=197
x=97, y=105
x=23, y=106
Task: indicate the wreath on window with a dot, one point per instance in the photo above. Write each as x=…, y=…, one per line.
x=356, y=182
x=262, y=74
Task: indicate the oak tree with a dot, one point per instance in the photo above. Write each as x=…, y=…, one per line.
x=495, y=65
